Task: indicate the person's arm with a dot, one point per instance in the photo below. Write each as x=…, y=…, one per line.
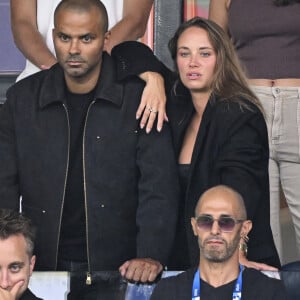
x=156, y=216
x=255, y=265
x=133, y=24
x=9, y=184
x=243, y=154
x=243, y=164
x=153, y=102
x=26, y=35
x=141, y=269
x=218, y=12
x=136, y=59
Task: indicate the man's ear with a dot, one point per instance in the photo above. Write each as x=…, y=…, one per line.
x=32, y=264
x=194, y=226
x=246, y=228
x=106, y=37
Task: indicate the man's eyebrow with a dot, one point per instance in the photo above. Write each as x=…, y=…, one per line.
x=19, y=263
x=87, y=34
x=60, y=33
x=226, y=215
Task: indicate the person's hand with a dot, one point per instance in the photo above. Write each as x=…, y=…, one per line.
x=141, y=269
x=153, y=102
x=255, y=265
x=13, y=293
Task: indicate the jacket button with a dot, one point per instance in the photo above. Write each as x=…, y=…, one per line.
x=102, y=205
x=43, y=211
x=98, y=137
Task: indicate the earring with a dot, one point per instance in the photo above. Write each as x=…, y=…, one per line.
x=245, y=238
x=243, y=245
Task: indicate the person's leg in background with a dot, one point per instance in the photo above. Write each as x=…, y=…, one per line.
x=290, y=180
x=288, y=151
x=275, y=205
x=272, y=111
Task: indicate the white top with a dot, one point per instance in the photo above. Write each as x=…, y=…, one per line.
x=45, y=12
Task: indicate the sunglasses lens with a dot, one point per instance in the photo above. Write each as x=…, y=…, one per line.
x=205, y=222
x=226, y=224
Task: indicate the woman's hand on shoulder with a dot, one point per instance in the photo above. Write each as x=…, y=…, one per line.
x=255, y=265
x=153, y=102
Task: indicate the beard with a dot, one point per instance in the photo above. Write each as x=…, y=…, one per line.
x=218, y=253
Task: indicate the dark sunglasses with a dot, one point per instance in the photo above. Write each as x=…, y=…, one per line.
x=226, y=223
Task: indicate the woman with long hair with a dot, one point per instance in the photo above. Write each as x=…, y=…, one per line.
x=219, y=131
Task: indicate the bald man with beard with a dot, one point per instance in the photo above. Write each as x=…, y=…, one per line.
x=220, y=222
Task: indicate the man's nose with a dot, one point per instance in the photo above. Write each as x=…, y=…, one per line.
x=4, y=280
x=74, y=47
x=215, y=228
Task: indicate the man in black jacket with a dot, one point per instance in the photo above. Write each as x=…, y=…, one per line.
x=16, y=255
x=220, y=223
x=102, y=192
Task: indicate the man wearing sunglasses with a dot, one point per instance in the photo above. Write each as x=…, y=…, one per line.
x=220, y=223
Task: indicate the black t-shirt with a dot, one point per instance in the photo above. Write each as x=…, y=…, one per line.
x=255, y=286
x=72, y=244
x=209, y=292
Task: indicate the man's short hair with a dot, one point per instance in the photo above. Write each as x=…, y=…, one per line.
x=84, y=6
x=14, y=223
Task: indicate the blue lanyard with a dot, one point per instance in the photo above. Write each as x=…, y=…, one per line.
x=236, y=295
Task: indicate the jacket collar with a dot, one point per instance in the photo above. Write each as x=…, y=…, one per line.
x=206, y=119
x=53, y=88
